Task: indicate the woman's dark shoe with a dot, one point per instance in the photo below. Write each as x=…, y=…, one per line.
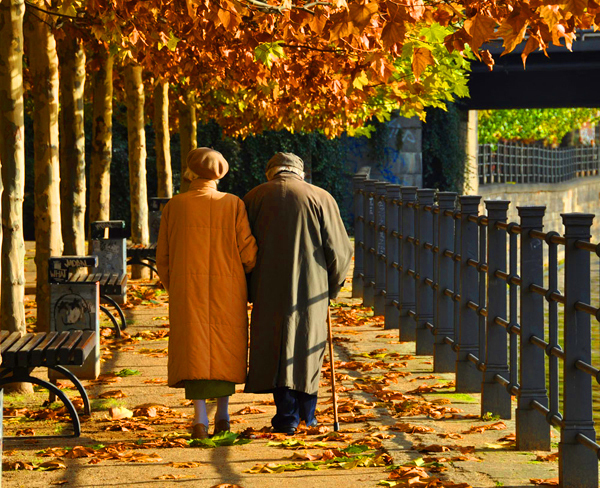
x=221, y=426
x=199, y=431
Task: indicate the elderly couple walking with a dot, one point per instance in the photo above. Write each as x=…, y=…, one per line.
x=288, y=237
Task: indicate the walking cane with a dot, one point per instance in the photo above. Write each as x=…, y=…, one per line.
x=336, y=424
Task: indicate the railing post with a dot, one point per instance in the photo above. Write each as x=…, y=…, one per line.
x=468, y=377
x=369, y=250
x=494, y=397
x=444, y=357
x=533, y=431
x=424, y=261
x=392, y=297
x=407, y=282
x=380, y=251
x=578, y=465
x=359, y=236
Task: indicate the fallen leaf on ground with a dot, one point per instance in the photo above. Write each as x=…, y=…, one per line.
x=249, y=410
x=410, y=429
x=17, y=465
x=173, y=476
x=59, y=482
x=432, y=448
x=51, y=466
x=25, y=432
x=112, y=394
x=482, y=428
x=547, y=457
x=118, y=413
x=188, y=464
x=547, y=482
x=156, y=381
x=450, y=435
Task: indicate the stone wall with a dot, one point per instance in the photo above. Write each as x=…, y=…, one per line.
x=577, y=195
x=402, y=162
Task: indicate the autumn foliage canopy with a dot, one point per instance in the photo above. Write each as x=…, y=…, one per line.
x=322, y=64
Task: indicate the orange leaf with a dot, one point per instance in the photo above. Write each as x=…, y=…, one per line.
x=392, y=34
x=480, y=28
x=576, y=7
x=360, y=15
x=422, y=58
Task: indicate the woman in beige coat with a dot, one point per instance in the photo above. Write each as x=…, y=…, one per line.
x=205, y=248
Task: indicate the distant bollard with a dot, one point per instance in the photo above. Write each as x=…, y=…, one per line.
x=444, y=357
x=578, y=463
x=359, y=236
x=380, y=248
x=392, y=298
x=495, y=399
x=533, y=431
x=407, y=256
x=369, y=250
x=468, y=377
x=424, y=268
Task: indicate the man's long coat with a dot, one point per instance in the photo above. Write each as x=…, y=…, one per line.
x=303, y=257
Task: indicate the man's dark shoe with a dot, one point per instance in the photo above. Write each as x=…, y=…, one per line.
x=312, y=423
x=285, y=429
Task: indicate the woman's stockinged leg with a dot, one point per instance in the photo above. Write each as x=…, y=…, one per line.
x=222, y=409
x=200, y=415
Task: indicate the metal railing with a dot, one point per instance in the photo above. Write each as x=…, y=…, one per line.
x=469, y=290
x=521, y=163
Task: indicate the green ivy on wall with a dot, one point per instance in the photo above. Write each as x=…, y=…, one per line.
x=547, y=125
x=444, y=156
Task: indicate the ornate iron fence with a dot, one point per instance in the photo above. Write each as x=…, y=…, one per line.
x=470, y=289
x=521, y=163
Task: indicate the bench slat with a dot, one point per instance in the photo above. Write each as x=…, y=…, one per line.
x=51, y=353
x=36, y=357
x=9, y=358
x=66, y=349
x=9, y=341
x=104, y=279
x=3, y=335
x=85, y=346
x=23, y=353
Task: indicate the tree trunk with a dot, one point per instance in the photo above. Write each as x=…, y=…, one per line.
x=101, y=156
x=43, y=65
x=72, y=146
x=136, y=135
x=163, y=144
x=12, y=159
x=188, y=133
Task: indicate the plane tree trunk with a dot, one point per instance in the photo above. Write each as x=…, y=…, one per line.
x=43, y=65
x=72, y=146
x=136, y=135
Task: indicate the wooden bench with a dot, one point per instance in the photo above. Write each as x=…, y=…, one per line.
x=66, y=270
x=109, y=244
x=155, y=207
x=146, y=255
x=23, y=353
x=143, y=256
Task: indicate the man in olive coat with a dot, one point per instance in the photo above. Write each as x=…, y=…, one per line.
x=303, y=257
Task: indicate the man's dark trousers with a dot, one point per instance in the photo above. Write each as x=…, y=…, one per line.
x=292, y=407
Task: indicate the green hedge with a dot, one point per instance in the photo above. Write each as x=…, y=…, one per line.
x=324, y=160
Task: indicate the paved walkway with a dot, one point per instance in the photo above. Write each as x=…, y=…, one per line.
x=389, y=401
